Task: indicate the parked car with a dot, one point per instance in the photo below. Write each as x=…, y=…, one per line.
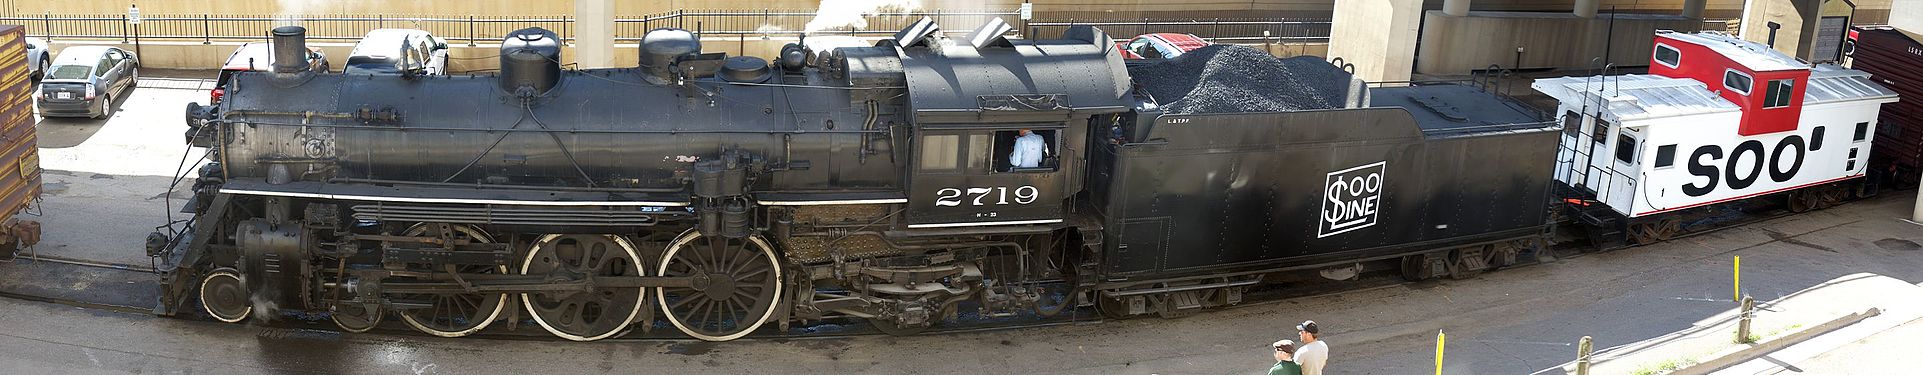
x=39, y=56
x=397, y=51
x=258, y=56
x=1160, y=45
x=84, y=81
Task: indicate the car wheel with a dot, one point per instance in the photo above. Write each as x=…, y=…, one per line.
x=135, y=80
x=45, y=64
x=106, y=106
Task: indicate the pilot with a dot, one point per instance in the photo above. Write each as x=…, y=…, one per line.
x=1028, y=151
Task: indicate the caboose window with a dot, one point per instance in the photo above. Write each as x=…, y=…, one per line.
x=1668, y=56
x=1778, y=93
x=1862, y=131
x=1571, y=123
x=1601, y=131
x=941, y=153
x=1626, y=149
x=1665, y=156
x=1736, y=81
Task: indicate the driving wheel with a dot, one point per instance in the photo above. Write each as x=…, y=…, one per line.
x=595, y=312
x=734, y=285
x=453, y=315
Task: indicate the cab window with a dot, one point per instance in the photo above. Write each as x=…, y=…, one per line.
x=941, y=153
x=1026, y=150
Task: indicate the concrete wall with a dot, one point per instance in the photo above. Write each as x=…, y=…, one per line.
x=1455, y=45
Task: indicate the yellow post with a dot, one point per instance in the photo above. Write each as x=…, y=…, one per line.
x=1439, y=341
x=1736, y=280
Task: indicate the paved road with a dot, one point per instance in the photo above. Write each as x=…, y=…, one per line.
x=106, y=178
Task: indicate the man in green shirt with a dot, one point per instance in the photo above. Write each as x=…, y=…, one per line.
x=1284, y=365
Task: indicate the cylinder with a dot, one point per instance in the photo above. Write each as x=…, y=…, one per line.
x=530, y=58
x=1587, y=8
x=734, y=218
x=1694, y=8
x=1458, y=8
x=290, y=49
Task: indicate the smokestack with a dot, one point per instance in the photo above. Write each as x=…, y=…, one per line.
x=290, y=49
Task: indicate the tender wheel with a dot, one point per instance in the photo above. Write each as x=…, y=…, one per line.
x=454, y=315
x=224, y=296
x=584, y=315
x=357, y=318
x=1112, y=308
x=1801, y=201
x=735, y=285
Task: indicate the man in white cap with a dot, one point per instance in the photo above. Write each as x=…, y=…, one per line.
x=1314, y=353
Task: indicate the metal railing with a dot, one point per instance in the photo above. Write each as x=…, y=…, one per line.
x=1218, y=30
x=208, y=28
x=778, y=23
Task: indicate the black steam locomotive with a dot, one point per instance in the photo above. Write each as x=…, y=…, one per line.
x=870, y=183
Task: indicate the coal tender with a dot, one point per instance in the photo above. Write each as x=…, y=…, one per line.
x=921, y=181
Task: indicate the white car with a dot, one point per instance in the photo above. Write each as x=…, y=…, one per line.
x=394, y=51
x=39, y=56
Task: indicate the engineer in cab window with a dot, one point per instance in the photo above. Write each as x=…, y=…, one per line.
x=1028, y=151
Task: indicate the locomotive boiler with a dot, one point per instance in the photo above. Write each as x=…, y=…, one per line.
x=720, y=194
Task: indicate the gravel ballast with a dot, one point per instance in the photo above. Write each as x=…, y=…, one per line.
x=1233, y=79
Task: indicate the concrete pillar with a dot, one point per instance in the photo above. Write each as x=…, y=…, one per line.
x=1694, y=8
x=1907, y=15
x=1458, y=8
x=1587, y=8
x=1377, y=36
x=594, y=33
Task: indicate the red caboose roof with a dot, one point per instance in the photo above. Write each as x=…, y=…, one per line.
x=1753, y=56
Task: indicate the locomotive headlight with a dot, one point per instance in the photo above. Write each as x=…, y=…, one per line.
x=90, y=91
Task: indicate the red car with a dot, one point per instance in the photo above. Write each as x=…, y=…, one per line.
x=1160, y=45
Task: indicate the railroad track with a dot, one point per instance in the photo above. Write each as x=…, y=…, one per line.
x=519, y=328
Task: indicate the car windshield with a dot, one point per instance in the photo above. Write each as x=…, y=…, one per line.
x=370, y=66
x=70, y=72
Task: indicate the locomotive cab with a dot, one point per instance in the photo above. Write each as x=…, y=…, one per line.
x=968, y=176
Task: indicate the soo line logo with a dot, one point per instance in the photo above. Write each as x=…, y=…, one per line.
x=1350, y=199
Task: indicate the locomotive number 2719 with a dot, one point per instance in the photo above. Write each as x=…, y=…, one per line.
x=984, y=196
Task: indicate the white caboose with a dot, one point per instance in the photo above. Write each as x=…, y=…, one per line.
x=1717, y=119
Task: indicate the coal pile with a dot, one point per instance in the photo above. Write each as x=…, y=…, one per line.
x=1230, y=79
